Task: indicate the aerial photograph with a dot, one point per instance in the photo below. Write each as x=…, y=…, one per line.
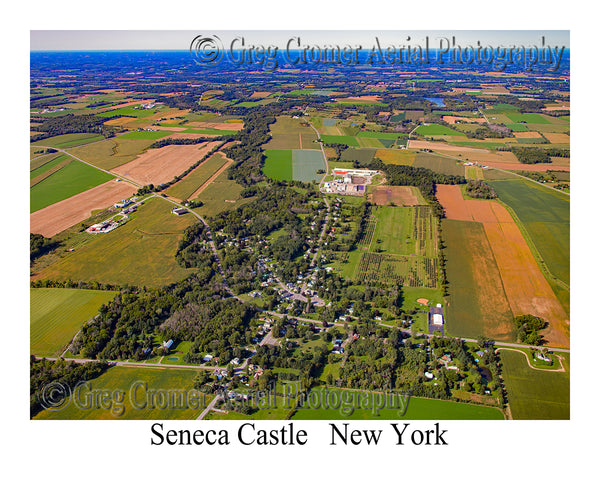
x=299, y=225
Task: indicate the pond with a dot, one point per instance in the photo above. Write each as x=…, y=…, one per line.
x=436, y=100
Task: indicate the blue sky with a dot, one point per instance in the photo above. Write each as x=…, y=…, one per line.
x=180, y=39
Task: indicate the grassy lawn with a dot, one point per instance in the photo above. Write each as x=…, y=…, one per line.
x=132, y=387
x=74, y=178
x=121, y=256
x=535, y=394
x=57, y=314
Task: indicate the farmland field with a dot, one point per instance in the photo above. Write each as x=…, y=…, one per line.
x=135, y=383
x=431, y=130
x=545, y=216
x=397, y=269
x=121, y=256
x=51, y=161
x=363, y=156
x=400, y=195
x=396, y=157
x=417, y=409
x=305, y=164
x=535, y=394
x=439, y=164
x=69, y=140
x=194, y=180
x=477, y=303
x=58, y=313
x=343, y=139
x=144, y=135
x=278, y=164
x=222, y=194
x=160, y=165
x=61, y=215
x=111, y=152
x=288, y=133
x=73, y=178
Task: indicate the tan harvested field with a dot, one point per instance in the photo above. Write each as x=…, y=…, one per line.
x=401, y=196
x=452, y=119
x=260, y=94
x=526, y=288
x=64, y=214
x=553, y=107
x=362, y=98
x=169, y=128
x=119, y=122
x=442, y=146
x=558, y=137
x=527, y=135
x=217, y=125
x=160, y=165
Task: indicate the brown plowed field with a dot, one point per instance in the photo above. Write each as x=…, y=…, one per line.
x=160, y=165
x=64, y=214
x=401, y=196
x=451, y=119
x=442, y=146
x=526, y=288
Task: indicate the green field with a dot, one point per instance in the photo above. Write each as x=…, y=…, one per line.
x=112, y=152
x=222, y=194
x=517, y=127
x=477, y=304
x=121, y=256
x=439, y=164
x=342, y=139
x=404, y=270
x=145, y=135
x=545, y=214
x=404, y=231
x=535, y=394
x=194, y=180
x=278, y=165
x=50, y=163
x=305, y=164
x=69, y=140
x=417, y=408
x=429, y=130
x=134, y=386
x=129, y=111
x=57, y=314
x=363, y=156
x=527, y=118
x=73, y=178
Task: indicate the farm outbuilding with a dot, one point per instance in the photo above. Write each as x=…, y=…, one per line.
x=436, y=319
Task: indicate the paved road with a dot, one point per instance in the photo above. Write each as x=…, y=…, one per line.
x=132, y=364
x=209, y=407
